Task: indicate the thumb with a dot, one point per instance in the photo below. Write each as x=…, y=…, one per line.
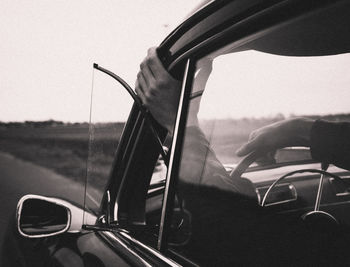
x=246, y=148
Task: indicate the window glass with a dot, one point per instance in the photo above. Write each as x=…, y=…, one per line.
x=220, y=220
x=264, y=88
x=110, y=107
x=154, y=203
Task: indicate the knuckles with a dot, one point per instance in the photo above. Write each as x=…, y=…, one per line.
x=151, y=51
x=142, y=65
x=149, y=60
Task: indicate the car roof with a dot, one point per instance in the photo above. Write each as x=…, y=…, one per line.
x=200, y=6
x=215, y=18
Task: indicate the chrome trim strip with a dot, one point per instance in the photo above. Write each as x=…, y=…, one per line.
x=115, y=238
x=291, y=188
x=48, y=199
x=172, y=154
x=340, y=194
x=149, y=249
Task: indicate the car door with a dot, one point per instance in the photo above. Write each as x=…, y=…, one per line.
x=227, y=226
x=129, y=217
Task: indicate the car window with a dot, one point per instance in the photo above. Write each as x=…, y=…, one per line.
x=127, y=163
x=149, y=233
x=267, y=88
x=110, y=108
x=219, y=220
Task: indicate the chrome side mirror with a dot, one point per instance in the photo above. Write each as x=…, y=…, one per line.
x=39, y=216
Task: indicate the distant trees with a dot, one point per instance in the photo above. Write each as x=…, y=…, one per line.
x=240, y=122
x=32, y=124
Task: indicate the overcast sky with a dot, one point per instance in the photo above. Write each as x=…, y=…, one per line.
x=48, y=47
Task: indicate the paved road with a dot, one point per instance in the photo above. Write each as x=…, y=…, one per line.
x=18, y=178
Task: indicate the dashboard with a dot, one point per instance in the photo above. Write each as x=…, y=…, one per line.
x=296, y=195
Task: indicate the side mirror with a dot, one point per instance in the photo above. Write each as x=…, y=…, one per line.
x=39, y=216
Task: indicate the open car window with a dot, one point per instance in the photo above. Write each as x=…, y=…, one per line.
x=110, y=108
x=127, y=164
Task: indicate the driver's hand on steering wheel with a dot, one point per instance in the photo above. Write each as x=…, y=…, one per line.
x=291, y=132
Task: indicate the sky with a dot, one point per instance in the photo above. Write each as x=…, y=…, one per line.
x=48, y=47
x=255, y=84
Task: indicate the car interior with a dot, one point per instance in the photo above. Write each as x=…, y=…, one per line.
x=299, y=213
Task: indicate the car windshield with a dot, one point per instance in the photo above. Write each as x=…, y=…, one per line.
x=268, y=88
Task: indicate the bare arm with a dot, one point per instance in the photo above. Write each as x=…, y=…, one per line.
x=293, y=132
x=329, y=141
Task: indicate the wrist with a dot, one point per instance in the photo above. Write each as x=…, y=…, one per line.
x=302, y=131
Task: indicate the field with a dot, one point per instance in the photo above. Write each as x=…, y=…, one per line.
x=65, y=149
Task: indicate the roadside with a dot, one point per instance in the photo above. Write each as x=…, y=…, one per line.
x=19, y=177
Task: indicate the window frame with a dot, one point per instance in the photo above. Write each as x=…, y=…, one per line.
x=234, y=36
x=238, y=33
x=123, y=192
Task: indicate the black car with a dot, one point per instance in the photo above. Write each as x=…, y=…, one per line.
x=187, y=199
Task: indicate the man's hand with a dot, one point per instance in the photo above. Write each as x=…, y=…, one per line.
x=292, y=132
x=158, y=90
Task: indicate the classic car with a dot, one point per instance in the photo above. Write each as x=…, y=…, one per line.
x=187, y=199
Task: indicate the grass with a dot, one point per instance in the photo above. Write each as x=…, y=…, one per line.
x=64, y=148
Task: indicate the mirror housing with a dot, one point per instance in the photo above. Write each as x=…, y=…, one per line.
x=39, y=216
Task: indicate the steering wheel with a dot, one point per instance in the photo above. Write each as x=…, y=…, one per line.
x=311, y=217
x=243, y=165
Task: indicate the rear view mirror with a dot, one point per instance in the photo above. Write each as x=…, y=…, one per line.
x=39, y=216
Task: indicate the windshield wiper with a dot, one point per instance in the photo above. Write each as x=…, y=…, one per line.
x=142, y=108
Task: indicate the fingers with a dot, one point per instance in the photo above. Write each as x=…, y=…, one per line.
x=247, y=148
x=150, y=76
x=139, y=91
x=147, y=73
x=155, y=65
x=142, y=83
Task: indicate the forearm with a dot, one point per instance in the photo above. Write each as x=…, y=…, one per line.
x=329, y=142
x=200, y=166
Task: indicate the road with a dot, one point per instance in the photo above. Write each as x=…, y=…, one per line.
x=18, y=178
